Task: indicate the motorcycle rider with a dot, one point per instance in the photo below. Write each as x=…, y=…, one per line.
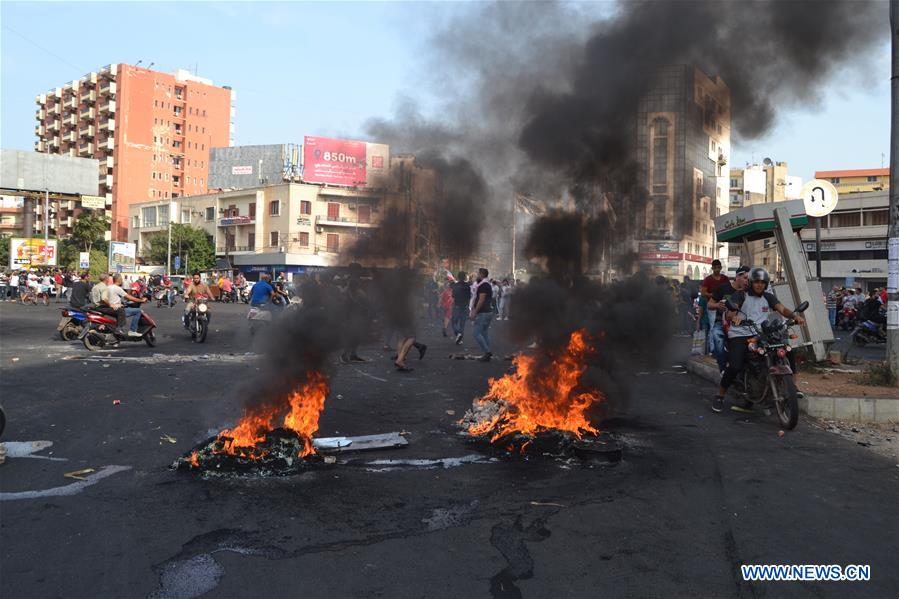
x=756, y=305
x=113, y=297
x=79, y=297
x=717, y=334
x=263, y=292
x=197, y=289
x=870, y=310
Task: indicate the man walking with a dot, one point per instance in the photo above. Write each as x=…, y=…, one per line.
x=482, y=314
x=461, y=298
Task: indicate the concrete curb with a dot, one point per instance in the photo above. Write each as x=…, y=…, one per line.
x=865, y=410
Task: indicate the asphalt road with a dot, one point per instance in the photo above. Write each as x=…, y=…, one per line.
x=696, y=495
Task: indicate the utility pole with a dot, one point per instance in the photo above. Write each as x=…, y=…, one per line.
x=46, y=215
x=514, y=226
x=893, y=234
x=168, y=262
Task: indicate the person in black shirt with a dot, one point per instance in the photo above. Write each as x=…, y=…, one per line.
x=81, y=292
x=482, y=314
x=461, y=301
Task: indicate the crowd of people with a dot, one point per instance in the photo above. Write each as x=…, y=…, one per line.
x=36, y=285
x=845, y=306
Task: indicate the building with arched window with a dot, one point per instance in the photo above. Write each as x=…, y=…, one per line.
x=683, y=146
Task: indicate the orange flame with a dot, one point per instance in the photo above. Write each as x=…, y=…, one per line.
x=303, y=409
x=542, y=397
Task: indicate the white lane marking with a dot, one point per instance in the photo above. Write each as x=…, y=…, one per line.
x=370, y=376
x=27, y=449
x=66, y=490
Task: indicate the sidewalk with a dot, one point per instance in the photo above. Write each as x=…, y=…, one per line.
x=830, y=395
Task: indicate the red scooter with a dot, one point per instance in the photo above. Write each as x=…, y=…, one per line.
x=99, y=331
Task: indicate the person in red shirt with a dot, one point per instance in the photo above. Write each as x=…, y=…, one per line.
x=57, y=279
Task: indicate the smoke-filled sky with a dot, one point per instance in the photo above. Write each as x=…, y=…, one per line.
x=328, y=68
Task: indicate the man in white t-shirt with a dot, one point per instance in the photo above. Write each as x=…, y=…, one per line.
x=114, y=297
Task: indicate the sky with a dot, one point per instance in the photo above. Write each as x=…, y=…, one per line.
x=325, y=68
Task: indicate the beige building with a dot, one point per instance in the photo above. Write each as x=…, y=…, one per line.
x=761, y=184
x=857, y=180
x=293, y=227
x=854, y=247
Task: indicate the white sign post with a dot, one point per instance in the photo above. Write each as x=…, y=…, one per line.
x=820, y=198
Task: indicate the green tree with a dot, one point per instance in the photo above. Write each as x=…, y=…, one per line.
x=89, y=231
x=4, y=251
x=191, y=243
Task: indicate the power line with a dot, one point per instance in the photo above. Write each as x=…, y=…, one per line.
x=40, y=47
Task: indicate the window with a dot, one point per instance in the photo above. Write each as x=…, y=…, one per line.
x=764, y=263
x=659, y=218
x=304, y=239
x=835, y=180
x=659, y=159
x=153, y=174
x=876, y=217
x=185, y=216
x=273, y=238
x=210, y=213
x=148, y=216
x=252, y=209
x=274, y=208
x=164, y=215
x=689, y=247
x=845, y=219
x=251, y=240
x=305, y=207
x=135, y=222
x=364, y=214
x=333, y=211
x=333, y=242
x=872, y=179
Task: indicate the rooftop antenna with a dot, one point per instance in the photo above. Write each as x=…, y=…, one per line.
x=137, y=64
x=149, y=66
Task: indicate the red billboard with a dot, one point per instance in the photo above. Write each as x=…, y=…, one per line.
x=334, y=161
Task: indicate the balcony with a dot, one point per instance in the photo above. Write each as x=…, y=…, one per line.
x=40, y=146
x=54, y=110
x=54, y=143
x=40, y=114
x=107, y=107
x=234, y=249
x=69, y=137
x=343, y=222
x=107, y=88
x=109, y=144
x=89, y=96
x=231, y=221
x=70, y=120
x=53, y=126
x=71, y=103
x=88, y=113
x=86, y=149
x=108, y=124
x=86, y=131
x=109, y=162
x=39, y=130
x=109, y=181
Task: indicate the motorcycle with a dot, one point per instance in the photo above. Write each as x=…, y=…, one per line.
x=197, y=320
x=869, y=331
x=245, y=292
x=160, y=296
x=99, y=331
x=846, y=319
x=767, y=377
x=71, y=323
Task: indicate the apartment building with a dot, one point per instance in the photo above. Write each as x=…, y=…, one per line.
x=857, y=180
x=151, y=131
x=854, y=246
x=290, y=227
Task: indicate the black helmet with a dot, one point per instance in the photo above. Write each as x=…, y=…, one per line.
x=759, y=274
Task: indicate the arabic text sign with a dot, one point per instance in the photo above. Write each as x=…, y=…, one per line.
x=31, y=253
x=335, y=161
x=122, y=256
x=93, y=202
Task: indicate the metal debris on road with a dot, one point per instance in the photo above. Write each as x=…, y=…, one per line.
x=547, y=503
x=79, y=474
x=168, y=438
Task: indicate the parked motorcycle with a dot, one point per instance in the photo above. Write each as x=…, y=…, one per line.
x=767, y=377
x=99, y=331
x=197, y=320
x=869, y=331
x=71, y=323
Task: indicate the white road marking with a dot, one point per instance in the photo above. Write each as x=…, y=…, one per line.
x=27, y=449
x=66, y=490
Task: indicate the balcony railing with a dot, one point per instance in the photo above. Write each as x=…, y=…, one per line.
x=234, y=248
x=108, y=124
x=70, y=121
x=107, y=88
x=71, y=102
x=108, y=106
x=231, y=221
x=54, y=126
x=89, y=96
x=87, y=113
x=343, y=221
x=87, y=148
x=86, y=131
